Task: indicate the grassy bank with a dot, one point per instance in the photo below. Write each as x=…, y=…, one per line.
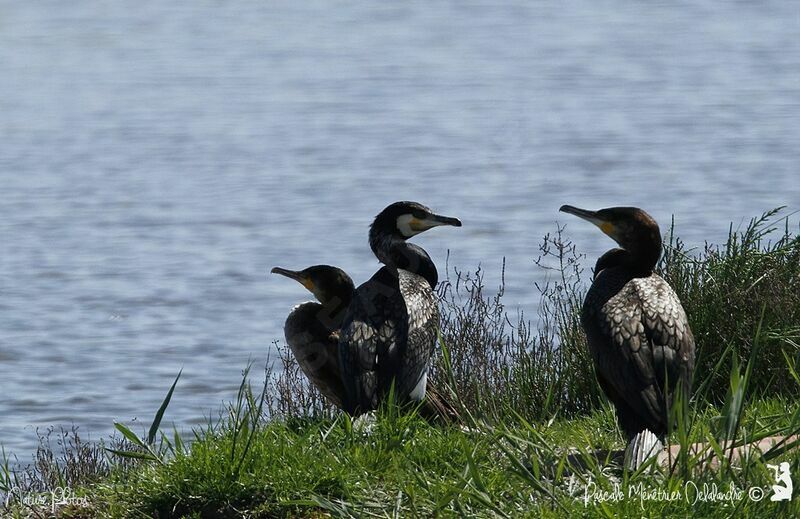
x=402, y=466
x=531, y=416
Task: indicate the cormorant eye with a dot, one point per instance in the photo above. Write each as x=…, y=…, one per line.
x=419, y=215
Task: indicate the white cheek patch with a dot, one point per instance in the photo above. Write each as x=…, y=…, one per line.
x=404, y=225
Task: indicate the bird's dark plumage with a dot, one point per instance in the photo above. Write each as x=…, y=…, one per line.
x=389, y=331
x=637, y=330
x=312, y=329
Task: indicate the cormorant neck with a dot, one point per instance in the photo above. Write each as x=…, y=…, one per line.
x=610, y=258
x=642, y=258
x=334, y=308
x=394, y=251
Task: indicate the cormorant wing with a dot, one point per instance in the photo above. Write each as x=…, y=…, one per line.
x=423, y=324
x=387, y=335
x=315, y=347
x=642, y=346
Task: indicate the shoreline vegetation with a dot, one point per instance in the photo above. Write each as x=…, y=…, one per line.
x=530, y=433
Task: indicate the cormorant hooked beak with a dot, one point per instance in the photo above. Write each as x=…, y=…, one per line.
x=296, y=275
x=592, y=216
x=434, y=220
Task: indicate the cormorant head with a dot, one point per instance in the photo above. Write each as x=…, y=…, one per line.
x=327, y=283
x=632, y=228
x=407, y=219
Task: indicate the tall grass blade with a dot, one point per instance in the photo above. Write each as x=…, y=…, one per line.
x=153, y=432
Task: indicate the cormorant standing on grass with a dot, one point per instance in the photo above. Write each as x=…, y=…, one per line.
x=638, y=334
x=312, y=329
x=389, y=331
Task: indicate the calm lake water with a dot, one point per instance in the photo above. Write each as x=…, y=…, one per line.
x=156, y=160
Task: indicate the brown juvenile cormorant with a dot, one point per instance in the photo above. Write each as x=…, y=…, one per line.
x=638, y=334
x=389, y=331
x=312, y=329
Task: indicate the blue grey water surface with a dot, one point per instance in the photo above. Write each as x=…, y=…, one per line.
x=157, y=158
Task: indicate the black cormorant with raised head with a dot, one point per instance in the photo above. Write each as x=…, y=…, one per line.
x=389, y=331
x=312, y=329
x=638, y=334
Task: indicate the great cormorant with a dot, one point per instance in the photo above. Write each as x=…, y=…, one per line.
x=389, y=331
x=638, y=334
x=312, y=329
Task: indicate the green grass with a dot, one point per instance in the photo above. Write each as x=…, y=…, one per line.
x=725, y=289
x=405, y=467
x=532, y=415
